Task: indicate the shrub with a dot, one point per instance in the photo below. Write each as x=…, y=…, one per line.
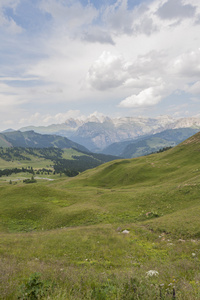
x=32, y=180
x=34, y=288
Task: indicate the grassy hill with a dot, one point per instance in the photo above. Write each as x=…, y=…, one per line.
x=127, y=229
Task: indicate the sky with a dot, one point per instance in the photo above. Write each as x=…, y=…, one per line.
x=63, y=59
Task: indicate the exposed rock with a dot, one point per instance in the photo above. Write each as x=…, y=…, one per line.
x=125, y=231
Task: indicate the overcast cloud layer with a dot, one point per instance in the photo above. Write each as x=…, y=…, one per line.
x=62, y=59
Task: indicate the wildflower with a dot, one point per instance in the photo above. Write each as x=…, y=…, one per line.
x=162, y=284
x=170, y=284
x=170, y=244
x=151, y=273
x=193, y=254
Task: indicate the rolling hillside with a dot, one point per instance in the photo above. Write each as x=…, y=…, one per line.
x=127, y=229
x=168, y=174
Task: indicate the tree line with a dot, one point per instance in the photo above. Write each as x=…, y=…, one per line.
x=70, y=167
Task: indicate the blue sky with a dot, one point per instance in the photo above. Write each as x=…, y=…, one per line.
x=71, y=58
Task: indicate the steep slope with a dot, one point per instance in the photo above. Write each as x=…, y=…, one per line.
x=4, y=142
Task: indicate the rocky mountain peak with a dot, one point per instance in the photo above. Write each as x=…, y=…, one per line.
x=98, y=131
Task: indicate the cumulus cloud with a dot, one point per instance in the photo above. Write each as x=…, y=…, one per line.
x=120, y=20
x=188, y=64
x=173, y=9
x=108, y=71
x=149, y=96
x=112, y=71
x=145, y=26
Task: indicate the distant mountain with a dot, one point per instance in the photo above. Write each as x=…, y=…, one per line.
x=36, y=140
x=97, y=133
x=8, y=130
x=149, y=144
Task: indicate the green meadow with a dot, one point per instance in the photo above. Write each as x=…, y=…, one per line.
x=128, y=229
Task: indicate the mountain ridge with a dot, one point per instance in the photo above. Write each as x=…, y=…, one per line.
x=36, y=140
x=98, y=132
x=151, y=143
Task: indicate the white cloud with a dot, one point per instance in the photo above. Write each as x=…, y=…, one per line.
x=40, y=119
x=7, y=23
x=145, y=25
x=69, y=15
x=62, y=117
x=194, y=89
x=88, y=56
x=111, y=71
x=118, y=18
x=146, y=97
x=9, y=97
x=107, y=72
x=188, y=64
x=173, y=9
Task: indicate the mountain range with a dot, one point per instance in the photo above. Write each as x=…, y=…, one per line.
x=149, y=144
x=98, y=132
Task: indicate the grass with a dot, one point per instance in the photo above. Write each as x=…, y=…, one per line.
x=70, y=230
x=79, y=257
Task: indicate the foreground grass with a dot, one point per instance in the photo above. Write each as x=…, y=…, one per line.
x=80, y=260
